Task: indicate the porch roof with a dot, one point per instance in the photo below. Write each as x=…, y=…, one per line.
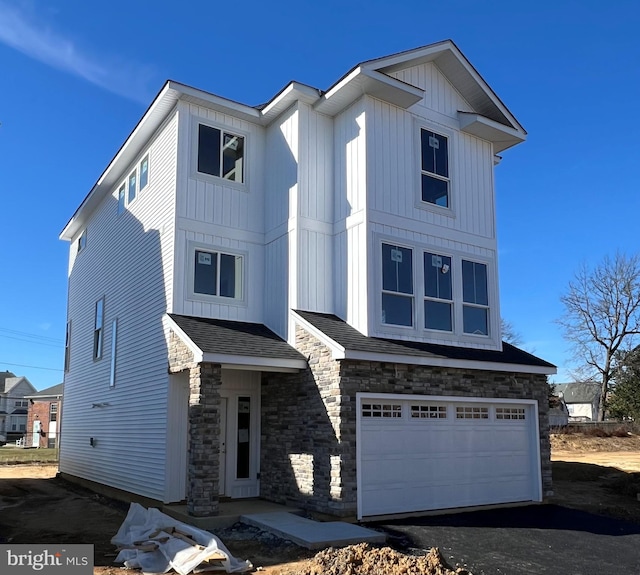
x=237, y=344
x=355, y=345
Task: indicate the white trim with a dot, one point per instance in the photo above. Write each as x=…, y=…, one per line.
x=534, y=436
x=420, y=124
x=169, y=323
x=249, y=361
x=337, y=351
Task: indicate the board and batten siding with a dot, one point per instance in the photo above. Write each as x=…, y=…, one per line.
x=394, y=171
x=128, y=262
x=350, y=240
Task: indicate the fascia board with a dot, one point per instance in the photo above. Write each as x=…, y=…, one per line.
x=362, y=81
x=193, y=348
x=337, y=351
x=254, y=361
x=446, y=362
x=500, y=135
x=293, y=92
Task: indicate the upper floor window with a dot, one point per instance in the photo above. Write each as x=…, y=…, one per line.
x=67, y=347
x=132, y=186
x=121, y=199
x=98, y=330
x=82, y=240
x=434, y=168
x=220, y=153
x=144, y=173
x=475, y=309
x=217, y=274
x=397, y=285
x=438, y=301
x=53, y=412
x=21, y=403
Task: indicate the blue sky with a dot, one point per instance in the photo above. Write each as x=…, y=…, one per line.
x=76, y=76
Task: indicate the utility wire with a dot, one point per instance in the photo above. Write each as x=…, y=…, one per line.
x=31, y=335
x=32, y=366
x=56, y=345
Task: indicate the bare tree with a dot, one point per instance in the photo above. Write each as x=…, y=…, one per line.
x=602, y=317
x=509, y=333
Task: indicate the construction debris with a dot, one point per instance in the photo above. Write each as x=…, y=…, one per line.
x=156, y=543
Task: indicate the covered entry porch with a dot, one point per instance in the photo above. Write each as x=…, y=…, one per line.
x=213, y=427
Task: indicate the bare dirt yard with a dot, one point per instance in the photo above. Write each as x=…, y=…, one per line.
x=600, y=475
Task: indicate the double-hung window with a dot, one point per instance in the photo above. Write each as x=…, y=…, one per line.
x=144, y=173
x=397, y=285
x=438, y=293
x=220, y=153
x=217, y=274
x=475, y=298
x=434, y=168
x=98, y=330
x=132, y=186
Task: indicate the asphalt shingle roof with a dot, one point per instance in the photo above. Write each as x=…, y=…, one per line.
x=351, y=339
x=235, y=337
x=578, y=392
x=53, y=391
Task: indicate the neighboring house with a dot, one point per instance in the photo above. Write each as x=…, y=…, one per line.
x=558, y=412
x=581, y=398
x=44, y=416
x=13, y=405
x=299, y=301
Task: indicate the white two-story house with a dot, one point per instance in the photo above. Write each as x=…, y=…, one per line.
x=299, y=301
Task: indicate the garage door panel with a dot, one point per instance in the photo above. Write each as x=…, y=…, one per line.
x=415, y=463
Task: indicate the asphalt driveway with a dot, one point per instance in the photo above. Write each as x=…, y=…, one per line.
x=537, y=539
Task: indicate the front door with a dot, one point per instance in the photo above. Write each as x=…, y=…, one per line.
x=240, y=434
x=37, y=426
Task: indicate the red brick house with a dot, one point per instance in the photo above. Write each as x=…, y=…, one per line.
x=43, y=417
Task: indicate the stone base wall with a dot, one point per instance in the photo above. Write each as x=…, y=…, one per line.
x=308, y=447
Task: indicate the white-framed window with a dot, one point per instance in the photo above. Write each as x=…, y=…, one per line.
x=21, y=403
x=144, y=173
x=82, y=240
x=217, y=274
x=220, y=153
x=397, y=285
x=132, y=186
x=424, y=411
x=503, y=413
x=98, y=330
x=53, y=411
x=67, y=347
x=434, y=168
x=475, y=297
x=438, y=292
x=112, y=367
x=121, y=198
x=386, y=410
x=475, y=412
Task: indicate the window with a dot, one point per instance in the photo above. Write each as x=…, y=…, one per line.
x=121, y=199
x=98, y=331
x=438, y=304
x=114, y=336
x=397, y=285
x=434, y=168
x=53, y=412
x=472, y=413
x=510, y=413
x=220, y=153
x=475, y=309
x=22, y=403
x=429, y=412
x=67, y=347
x=217, y=274
x=381, y=410
x=133, y=177
x=144, y=173
x=82, y=241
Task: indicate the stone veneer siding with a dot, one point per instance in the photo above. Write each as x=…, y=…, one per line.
x=308, y=451
x=205, y=380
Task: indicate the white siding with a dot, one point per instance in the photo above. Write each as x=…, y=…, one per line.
x=350, y=243
x=394, y=173
x=128, y=261
x=439, y=94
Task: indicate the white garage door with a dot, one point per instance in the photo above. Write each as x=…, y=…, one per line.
x=421, y=453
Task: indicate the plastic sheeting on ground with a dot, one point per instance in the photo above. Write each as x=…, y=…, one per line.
x=143, y=524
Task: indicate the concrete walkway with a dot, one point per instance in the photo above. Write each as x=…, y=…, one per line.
x=312, y=534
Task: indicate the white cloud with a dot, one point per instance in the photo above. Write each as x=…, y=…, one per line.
x=21, y=30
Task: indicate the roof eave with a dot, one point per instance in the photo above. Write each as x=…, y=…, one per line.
x=502, y=137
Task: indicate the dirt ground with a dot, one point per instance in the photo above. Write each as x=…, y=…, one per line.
x=600, y=475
